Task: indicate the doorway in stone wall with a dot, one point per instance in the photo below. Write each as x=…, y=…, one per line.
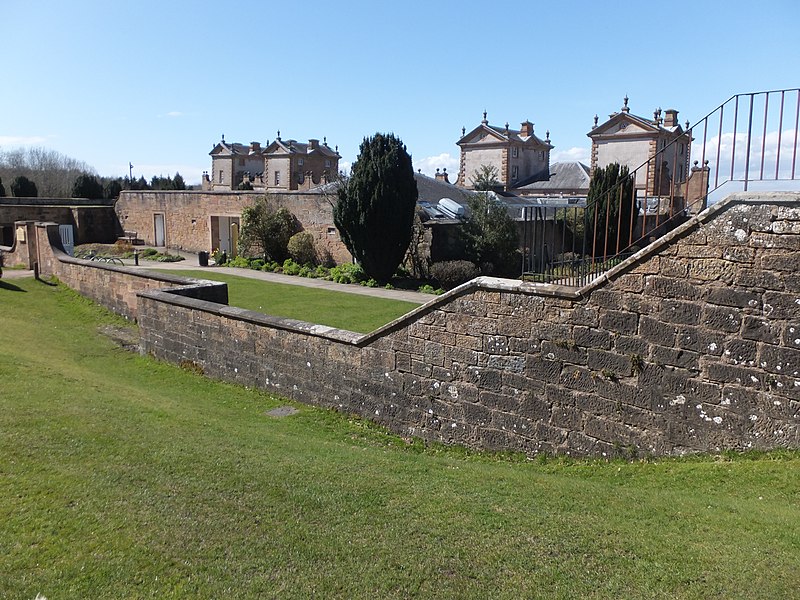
x=160, y=235
x=225, y=234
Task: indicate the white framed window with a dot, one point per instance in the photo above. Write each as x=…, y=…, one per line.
x=277, y=177
x=327, y=163
x=300, y=162
x=221, y=178
x=514, y=152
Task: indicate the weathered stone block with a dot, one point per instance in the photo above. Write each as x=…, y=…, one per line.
x=577, y=378
x=785, y=261
x=619, y=321
x=495, y=344
x=741, y=352
x=588, y=337
x=675, y=357
x=628, y=344
x=678, y=311
x=727, y=296
x=515, y=364
x=780, y=360
x=722, y=319
x=656, y=331
x=494, y=401
x=485, y=379
x=567, y=417
x=671, y=267
x=609, y=364
x=761, y=329
x=781, y=306
x=757, y=278
x=543, y=370
x=564, y=350
x=791, y=335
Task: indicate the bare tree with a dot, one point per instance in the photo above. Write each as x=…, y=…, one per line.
x=52, y=172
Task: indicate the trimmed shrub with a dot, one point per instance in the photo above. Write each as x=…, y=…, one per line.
x=301, y=249
x=452, y=273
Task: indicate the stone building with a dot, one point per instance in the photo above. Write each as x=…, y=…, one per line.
x=518, y=155
x=631, y=140
x=283, y=165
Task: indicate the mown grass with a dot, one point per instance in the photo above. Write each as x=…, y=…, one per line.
x=352, y=312
x=124, y=477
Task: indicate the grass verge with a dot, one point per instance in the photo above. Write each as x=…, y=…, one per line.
x=352, y=312
x=125, y=477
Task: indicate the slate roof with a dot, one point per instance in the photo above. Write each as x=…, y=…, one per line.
x=571, y=175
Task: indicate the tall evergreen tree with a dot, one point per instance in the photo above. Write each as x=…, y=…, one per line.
x=610, y=209
x=374, y=211
x=22, y=187
x=87, y=186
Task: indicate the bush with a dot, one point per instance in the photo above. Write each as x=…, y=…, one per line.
x=429, y=289
x=301, y=248
x=290, y=267
x=270, y=267
x=239, y=261
x=348, y=273
x=452, y=273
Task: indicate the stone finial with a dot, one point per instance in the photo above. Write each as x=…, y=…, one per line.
x=324, y=140
x=687, y=123
x=485, y=120
x=506, y=126
x=223, y=138
x=547, y=136
x=279, y=135
x=625, y=108
x=463, y=131
x=595, y=121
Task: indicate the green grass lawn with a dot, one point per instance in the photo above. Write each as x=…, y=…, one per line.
x=123, y=477
x=352, y=312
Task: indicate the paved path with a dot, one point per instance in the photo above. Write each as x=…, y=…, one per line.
x=191, y=264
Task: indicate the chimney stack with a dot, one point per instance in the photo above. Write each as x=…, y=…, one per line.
x=670, y=118
x=442, y=176
x=313, y=144
x=526, y=129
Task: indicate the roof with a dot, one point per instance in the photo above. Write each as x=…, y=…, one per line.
x=505, y=134
x=431, y=190
x=295, y=147
x=570, y=175
x=653, y=125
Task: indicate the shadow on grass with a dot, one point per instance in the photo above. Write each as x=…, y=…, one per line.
x=4, y=285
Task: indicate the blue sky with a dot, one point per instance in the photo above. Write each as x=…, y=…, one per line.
x=158, y=83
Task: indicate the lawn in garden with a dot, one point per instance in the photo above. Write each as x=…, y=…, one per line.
x=124, y=477
x=353, y=312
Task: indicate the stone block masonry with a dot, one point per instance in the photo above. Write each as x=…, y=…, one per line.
x=691, y=345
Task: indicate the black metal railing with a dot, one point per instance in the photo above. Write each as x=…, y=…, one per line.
x=750, y=138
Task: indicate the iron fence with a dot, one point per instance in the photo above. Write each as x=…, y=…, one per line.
x=750, y=141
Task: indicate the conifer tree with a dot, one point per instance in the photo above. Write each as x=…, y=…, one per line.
x=374, y=211
x=610, y=209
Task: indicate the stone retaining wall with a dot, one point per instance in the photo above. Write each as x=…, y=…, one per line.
x=693, y=344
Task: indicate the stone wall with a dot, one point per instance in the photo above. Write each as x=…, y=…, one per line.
x=187, y=216
x=94, y=221
x=693, y=344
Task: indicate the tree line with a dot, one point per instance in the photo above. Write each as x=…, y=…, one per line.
x=39, y=172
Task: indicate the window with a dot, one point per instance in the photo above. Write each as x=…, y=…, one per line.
x=541, y=154
x=300, y=162
x=277, y=177
x=220, y=176
x=327, y=164
x=514, y=152
x=514, y=172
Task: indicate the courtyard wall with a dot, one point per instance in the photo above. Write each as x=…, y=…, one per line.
x=692, y=344
x=188, y=214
